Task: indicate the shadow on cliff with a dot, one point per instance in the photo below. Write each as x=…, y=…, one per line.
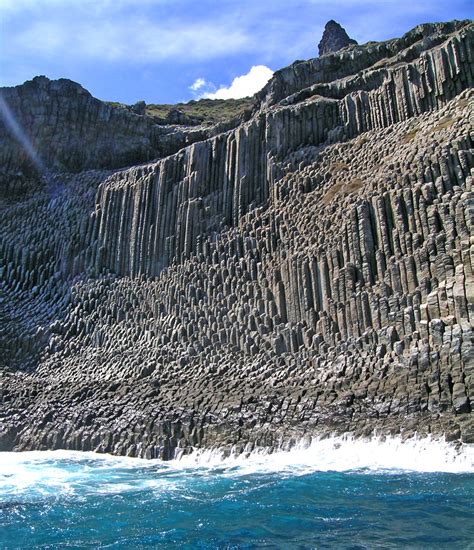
x=45, y=250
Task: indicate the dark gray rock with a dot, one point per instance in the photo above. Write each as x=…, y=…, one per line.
x=307, y=272
x=139, y=108
x=334, y=39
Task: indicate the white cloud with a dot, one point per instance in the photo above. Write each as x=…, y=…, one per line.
x=245, y=85
x=64, y=37
x=198, y=84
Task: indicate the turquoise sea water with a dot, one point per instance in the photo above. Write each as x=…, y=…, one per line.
x=334, y=494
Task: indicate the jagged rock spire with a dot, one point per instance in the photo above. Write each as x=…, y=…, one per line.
x=334, y=38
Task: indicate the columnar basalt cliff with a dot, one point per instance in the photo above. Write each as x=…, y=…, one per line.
x=307, y=271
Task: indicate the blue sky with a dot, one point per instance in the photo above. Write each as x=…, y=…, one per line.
x=165, y=51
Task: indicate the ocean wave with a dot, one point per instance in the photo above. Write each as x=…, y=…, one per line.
x=345, y=453
x=68, y=472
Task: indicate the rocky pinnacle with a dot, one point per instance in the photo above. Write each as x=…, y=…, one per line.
x=334, y=38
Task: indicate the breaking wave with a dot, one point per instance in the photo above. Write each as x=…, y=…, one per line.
x=335, y=492
x=344, y=454
x=50, y=472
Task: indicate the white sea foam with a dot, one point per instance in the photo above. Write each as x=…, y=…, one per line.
x=68, y=472
x=345, y=454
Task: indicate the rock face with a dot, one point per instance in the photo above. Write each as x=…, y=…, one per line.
x=69, y=130
x=334, y=39
x=308, y=271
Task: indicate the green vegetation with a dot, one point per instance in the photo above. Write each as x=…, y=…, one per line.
x=205, y=111
x=443, y=123
x=115, y=104
x=410, y=136
x=339, y=167
x=208, y=110
x=342, y=189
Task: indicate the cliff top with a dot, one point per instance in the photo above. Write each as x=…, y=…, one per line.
x=95, y=134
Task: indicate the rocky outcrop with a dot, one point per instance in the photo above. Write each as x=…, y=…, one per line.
x=206, y=187
x=69, y=130
x=307, y=272
x=334, y=38
x=361, y=61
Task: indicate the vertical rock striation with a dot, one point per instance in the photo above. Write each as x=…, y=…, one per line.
x=309, y=271
x=211, y=184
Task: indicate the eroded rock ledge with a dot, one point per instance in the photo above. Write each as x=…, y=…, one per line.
x=307, y=272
